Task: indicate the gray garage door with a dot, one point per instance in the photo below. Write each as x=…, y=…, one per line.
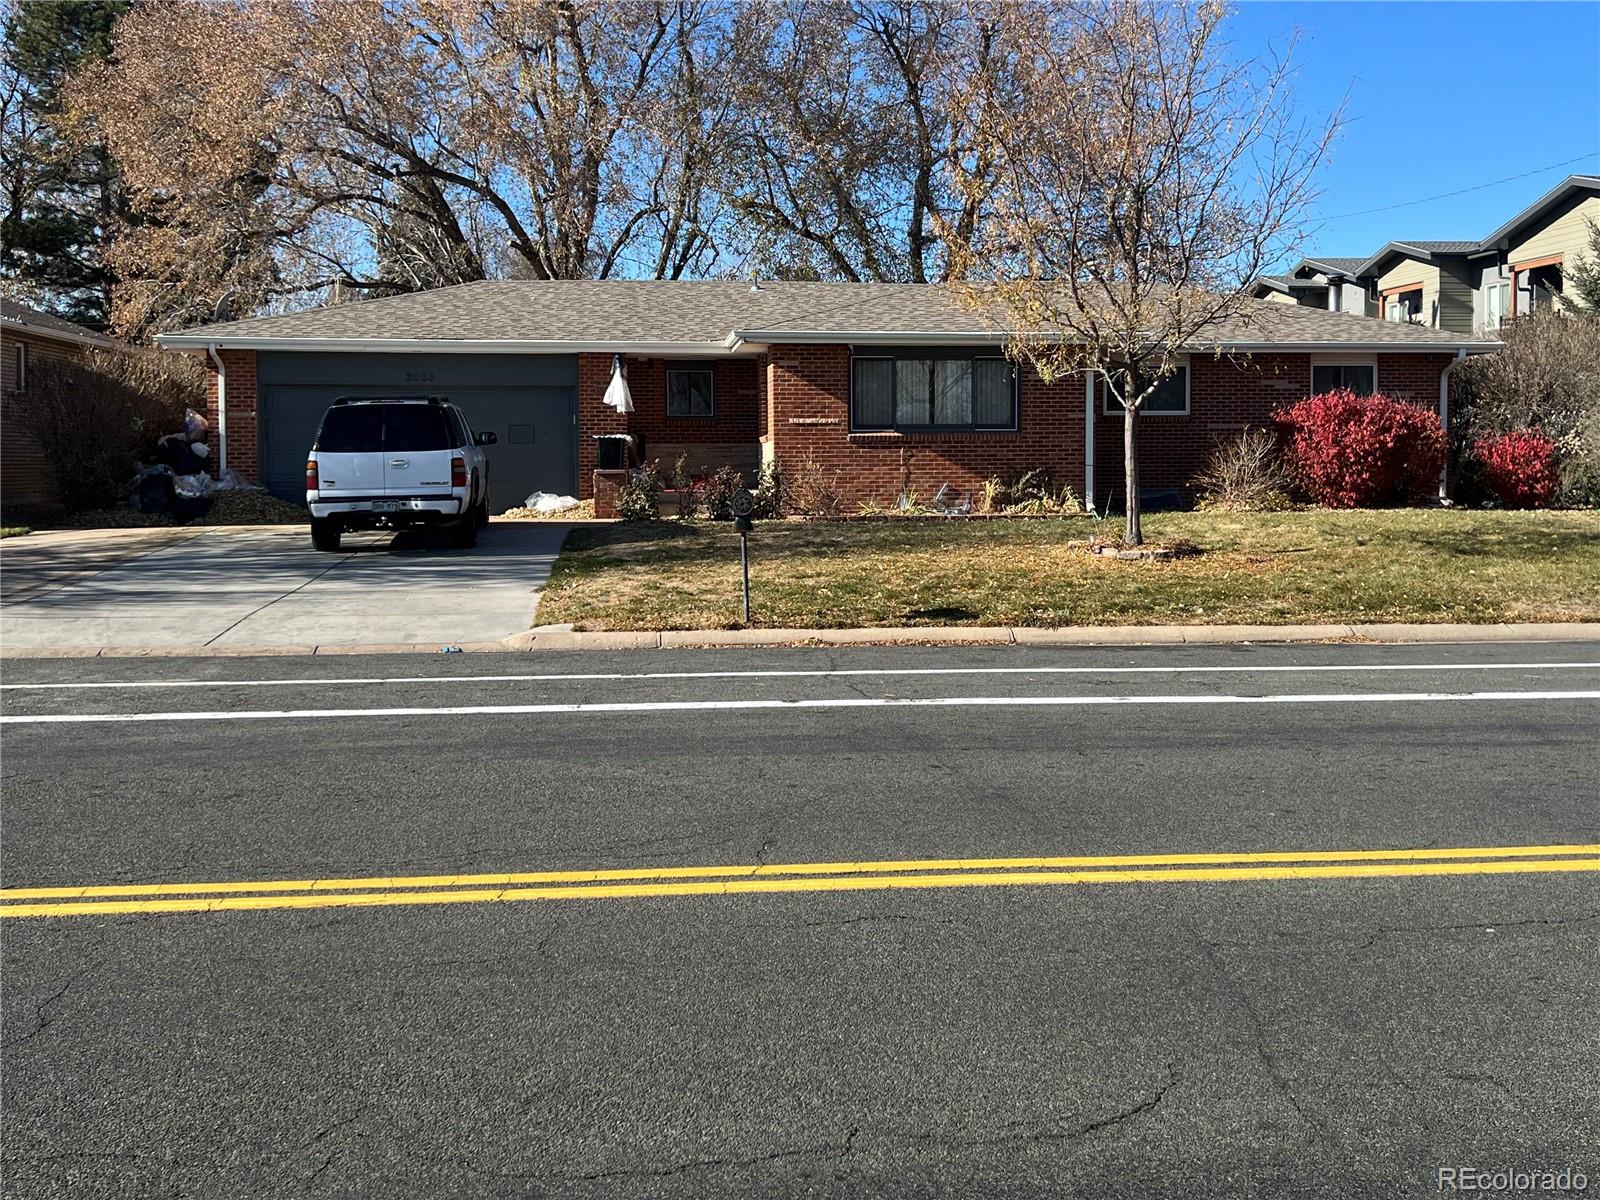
x=528, y=402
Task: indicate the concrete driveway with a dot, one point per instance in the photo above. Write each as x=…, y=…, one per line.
x=121, y=591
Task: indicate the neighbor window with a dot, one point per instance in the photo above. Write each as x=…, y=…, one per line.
x=1360, y=378
x=1171, y=397
x=914, y=392
x=689, y=392
x=1544, y=285
x=22, y=367
x=1404, y=307
x=1496, y=297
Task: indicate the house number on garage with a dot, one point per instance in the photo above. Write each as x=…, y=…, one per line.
x=419, y=376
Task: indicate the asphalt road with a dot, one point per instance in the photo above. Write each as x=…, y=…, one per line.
x=1250, y=1027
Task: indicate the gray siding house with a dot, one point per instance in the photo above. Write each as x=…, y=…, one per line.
x=1460, y=286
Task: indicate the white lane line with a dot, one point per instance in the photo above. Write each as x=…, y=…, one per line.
x=647, y=706
x=854, y=673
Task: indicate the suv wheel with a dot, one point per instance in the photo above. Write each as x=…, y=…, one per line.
x=325, y=533
x=480, y=515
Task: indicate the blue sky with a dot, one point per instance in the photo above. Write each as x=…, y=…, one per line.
x=1438, y=100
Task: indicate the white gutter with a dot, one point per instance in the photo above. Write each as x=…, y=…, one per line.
x=1088, y=441
x=1444, y=420
x=742, y=338
x=1477, y=347
x=747, y=341
x=222, y=409
x=860, y=337
x=181, y=341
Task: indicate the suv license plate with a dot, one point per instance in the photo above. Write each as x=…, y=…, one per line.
x=386, y=506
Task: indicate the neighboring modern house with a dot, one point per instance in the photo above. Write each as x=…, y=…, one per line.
x=884, y=386
x=1423, y=283
x=1525, y=260
x=1330, y=283
x=1460, y=286
x=28, y=339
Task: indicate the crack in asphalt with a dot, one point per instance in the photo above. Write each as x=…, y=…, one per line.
x=1487, y=926
x=1112, y=1120
x=1479, y=1077
x=1242, y=1001
x=832, y=1149
x=871, y=918
x=41, y=1020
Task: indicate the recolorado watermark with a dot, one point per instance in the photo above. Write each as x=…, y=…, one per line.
x=1511, y=1180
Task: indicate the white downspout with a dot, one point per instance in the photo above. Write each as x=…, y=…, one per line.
x=222, y=409
x=1444, y=420
x=1088, y=441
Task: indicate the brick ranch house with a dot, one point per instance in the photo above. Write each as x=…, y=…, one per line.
x=30, y=339
x=883, y=384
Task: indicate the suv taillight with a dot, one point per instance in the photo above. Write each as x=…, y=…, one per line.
x=311, y=474
x=458, y=472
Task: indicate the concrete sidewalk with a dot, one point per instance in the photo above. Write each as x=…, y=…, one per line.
x=562, y=638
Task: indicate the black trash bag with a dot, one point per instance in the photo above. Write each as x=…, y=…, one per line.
x=174, y=451
x=153, y=491
x=188, y=508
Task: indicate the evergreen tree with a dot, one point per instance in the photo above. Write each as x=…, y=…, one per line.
x=60, y=192
x=1583, y=276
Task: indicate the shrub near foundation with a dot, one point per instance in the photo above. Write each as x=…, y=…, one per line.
x=1519, y=469
x=1350, y=451
x=1245, y=474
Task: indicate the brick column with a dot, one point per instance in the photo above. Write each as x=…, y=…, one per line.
x=594, y=416
x=243, y=445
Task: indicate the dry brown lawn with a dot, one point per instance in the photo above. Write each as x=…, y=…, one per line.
x=1422, y=565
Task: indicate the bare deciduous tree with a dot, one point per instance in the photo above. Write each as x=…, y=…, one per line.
x=387, y=146
x=1149, y=177
x=857, y=155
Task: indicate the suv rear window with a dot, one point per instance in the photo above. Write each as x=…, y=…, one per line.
x=352, y=429
x=415, y=427
x=389, y=428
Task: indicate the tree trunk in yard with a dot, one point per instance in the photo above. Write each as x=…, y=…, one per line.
x=1132, y=534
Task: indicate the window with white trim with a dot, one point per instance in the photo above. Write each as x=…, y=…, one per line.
x=1404, y=308
x=1170, y=399
x=1360, y=378
x=932, y=392
x=1496, y=303
x=22, y=367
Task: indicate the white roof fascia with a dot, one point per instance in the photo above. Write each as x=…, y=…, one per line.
x=861, y=337
x=181, y=341
x=1568, y=186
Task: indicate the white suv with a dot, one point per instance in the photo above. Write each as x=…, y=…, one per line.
x=395, y=461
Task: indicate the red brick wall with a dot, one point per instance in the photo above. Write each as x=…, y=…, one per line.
x=26, y=477
x=594, y=416
x=1225, y=397
x=809, y=388
x=243, y=446
x=730, y=436
x=1413, y=377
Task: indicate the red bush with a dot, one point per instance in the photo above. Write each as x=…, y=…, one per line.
x=1519, y=468
x=1350, y=451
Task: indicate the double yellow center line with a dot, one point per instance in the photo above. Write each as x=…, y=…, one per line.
x=633, y=883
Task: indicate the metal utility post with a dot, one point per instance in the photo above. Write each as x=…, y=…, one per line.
x=743, y=505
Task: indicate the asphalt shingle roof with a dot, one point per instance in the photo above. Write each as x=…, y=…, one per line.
x=706, y=312
x=1338, y=264
x=1456, y=246
x=44, y=323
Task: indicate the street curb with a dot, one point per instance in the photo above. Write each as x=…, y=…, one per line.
x=951, y=635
